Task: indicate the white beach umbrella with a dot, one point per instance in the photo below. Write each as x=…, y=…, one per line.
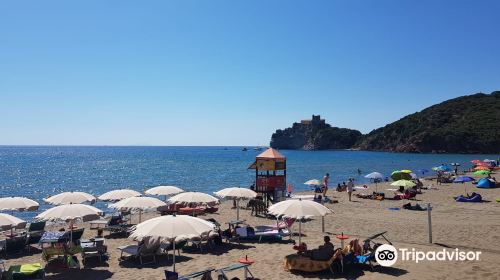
x=375, y=176
x=298, y=209
x=238, y=194
x=138, y=203
x=164, y=190
x=171, y=227
x=10, y=222
x=116, y=195
x=313, y=182
x=193, y=197
x=18, y=204
x=70, y=197
x=70, y=213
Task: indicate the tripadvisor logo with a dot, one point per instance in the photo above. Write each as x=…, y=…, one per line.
x=387, y=255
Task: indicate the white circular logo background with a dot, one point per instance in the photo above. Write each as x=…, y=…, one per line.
x=386, y=255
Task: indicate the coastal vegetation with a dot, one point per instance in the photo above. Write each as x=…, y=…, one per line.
x=467, y=124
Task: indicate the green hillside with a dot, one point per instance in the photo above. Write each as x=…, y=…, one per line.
x=468, y=124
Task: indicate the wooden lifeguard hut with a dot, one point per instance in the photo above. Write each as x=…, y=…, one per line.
x=270, y=175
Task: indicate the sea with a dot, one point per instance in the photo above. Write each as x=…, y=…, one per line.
x=38, y=172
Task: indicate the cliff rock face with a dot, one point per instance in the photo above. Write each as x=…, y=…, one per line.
x=468, y=124
x=314, y=134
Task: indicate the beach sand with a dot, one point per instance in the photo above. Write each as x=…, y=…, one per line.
x=467, y=226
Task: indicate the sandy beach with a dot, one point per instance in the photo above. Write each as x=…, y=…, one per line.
x=467, y=226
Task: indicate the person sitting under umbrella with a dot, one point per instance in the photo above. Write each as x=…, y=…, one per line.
x=323, y=252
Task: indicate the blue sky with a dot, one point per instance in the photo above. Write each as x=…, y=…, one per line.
x=231, y=72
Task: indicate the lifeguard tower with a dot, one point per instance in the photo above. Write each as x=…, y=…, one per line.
x=270, y=175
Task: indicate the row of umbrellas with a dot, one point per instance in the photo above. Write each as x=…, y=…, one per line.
x=70, y=205
x=169, y=228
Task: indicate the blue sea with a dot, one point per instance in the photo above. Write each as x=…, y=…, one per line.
x=41, y=171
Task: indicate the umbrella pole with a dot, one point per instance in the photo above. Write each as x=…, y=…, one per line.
x=300, y=230
x=238, y=210
x=173, y=258
x=71, y=234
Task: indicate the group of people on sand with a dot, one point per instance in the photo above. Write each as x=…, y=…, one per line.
x=349, y=187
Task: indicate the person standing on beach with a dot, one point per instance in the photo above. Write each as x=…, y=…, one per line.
x=326, y=178
x=350, y=188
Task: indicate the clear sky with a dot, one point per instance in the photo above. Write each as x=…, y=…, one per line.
x=231, y=72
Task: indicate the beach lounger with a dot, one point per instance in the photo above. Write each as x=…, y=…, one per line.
x=15, y=244
x=139, y=251
x=204, y=274
x=34, y=234
x=263, y=235
x=33, y=271
x=222, y=272
x=3, y=244
x=76, y=235
x=170, y=246
x=211, y=210
x=94, y=248
x=371, y=238
x=194, y=211
x=170, y=209
x=285, y=223
x=116, y=224
x=206, y=239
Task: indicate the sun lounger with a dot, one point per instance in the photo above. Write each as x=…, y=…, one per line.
x=191, y=211
x=116, y=224
x=93, y=248
x=200, y=274
x=15, y=244
x=283, y=224
x=76, y=235
x=260, y=234
x=35, y=232
x=3, y=244
x=139, y=251
x=170, y=246
x=211, y=210
x=206, y=239
x=172, y=208
x=222, y=272
x=32, y=271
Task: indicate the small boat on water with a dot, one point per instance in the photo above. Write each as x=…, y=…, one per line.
x=244, y=149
